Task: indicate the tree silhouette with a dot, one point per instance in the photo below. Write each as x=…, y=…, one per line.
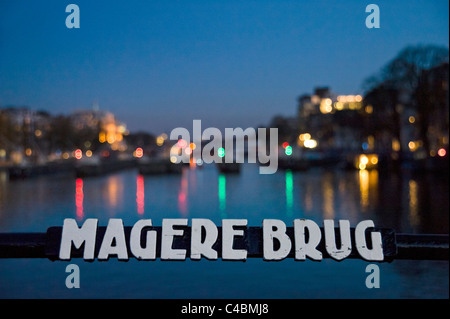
x=396, y=87
x=404, y=71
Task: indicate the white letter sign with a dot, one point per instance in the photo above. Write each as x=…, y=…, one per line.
x=72, y=234
x=274, y=229
x=228, y=233
x=168, y=232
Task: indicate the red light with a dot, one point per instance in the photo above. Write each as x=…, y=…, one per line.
x=285, y=144
x=140, y=194
x=182, y=194
x=139, y=152
x=442, y=152
x=79, y=196
x=181, y=143
x=105, y=153
x=78, y=154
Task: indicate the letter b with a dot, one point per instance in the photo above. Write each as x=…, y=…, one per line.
x=275, y=229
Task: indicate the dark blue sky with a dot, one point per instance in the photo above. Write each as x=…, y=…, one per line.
x=160, y=64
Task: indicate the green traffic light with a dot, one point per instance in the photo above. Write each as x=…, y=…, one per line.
x=288, y=150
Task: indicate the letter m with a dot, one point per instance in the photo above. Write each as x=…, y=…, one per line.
x=239, y=134
x=78, y=236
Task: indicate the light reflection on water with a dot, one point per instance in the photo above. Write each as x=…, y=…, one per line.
x=140, y=195
x=183, y=193
x=409, y=204
x=79, y=196
x=289, y=192
x=222, y=195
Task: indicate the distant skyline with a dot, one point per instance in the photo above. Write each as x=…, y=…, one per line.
x=160, y=64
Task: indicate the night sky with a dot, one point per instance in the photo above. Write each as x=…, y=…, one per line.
x=160, y=64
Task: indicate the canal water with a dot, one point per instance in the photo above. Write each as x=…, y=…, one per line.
x=405, y=202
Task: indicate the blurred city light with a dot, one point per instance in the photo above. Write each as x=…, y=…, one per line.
x=304, y=137
x=365, y=146
x=102, y=137
x=310, y=143
x=159, y=141
x=222, y=192
x=79, y=196
x=289, y=191
x=192, y=162
x=78, y=154
x=288, y=150
x=139, y=152
x=175, y=150
x=105, y=153
x=110, y=138
x=181, y=143
x=395, y=145
x=339, y=106
x=367, y=161
x=140, y=195
x=363, y=159
x=325, y=106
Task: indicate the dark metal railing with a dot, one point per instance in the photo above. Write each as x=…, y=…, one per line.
x=395, y=246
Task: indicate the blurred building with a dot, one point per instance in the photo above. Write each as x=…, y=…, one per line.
x=433, y=109
x=414, y=126
x=22, y=134
x=101, y=126
x=28, y=136
x=334, y=122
